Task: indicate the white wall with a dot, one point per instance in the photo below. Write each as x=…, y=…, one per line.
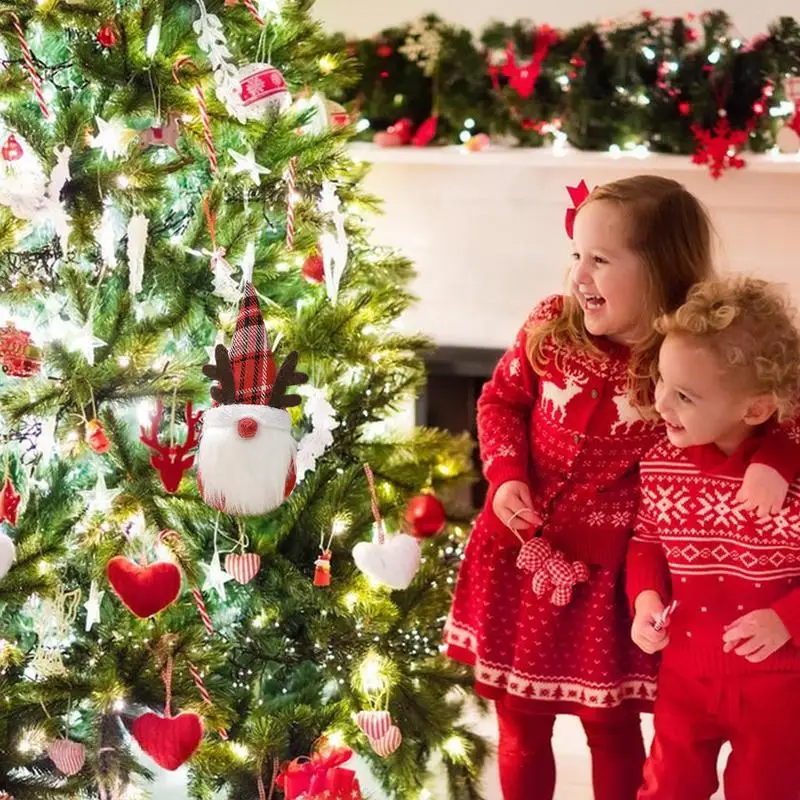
x=366, y=17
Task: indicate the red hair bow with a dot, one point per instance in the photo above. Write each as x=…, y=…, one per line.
x=577, y=194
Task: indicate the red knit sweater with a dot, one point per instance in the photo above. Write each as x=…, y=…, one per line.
x=722, y=562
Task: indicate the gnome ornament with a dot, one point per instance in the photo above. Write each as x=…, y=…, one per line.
x=246, y=459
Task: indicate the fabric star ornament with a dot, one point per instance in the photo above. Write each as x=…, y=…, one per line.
x=247, y=163
x=216, y=577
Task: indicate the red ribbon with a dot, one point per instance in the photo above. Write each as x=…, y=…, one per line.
x=577, y=194
x=321, y=777
x=522, y=79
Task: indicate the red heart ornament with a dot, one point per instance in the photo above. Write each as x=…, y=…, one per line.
x=67, y=755
x=144, y=590
x=169, y=741
x=375, y=724
x=243, y=568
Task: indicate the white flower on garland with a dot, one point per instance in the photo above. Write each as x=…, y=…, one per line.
x=211, y=40
x=323, y=422
x=423, y=46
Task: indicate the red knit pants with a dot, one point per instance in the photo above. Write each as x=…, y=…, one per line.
x=758, y=714
x=528, y=768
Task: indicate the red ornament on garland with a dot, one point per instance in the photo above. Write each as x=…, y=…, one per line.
x=426, y=516
x=96, y=437
x=171, y=460
x=169, y=741
x=395, y=135
x=426, y=132
x=144, y=590
x=385, y=50
x=107, y=36
x=684, y=109
x=314, y=268
x=12, y=149
x=9, y=502
x=719, y=148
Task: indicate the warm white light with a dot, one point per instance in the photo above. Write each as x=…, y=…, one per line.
x=362, y=125
x=123, y=181
x=563, y=80
x=714, y=57
x=336, y=738
x=648, y=53
x=465, y=136
x=469, y=124
x=240, y=750
x=454, y=747
x=340, y=525
x=118, y=705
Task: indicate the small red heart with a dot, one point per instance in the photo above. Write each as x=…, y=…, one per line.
x=169, y=741
x=144, y=590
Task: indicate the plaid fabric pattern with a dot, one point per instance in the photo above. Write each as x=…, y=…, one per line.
x=252, y=360
x=551, y=571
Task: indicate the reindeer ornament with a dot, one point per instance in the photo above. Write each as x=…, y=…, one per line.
x=246, y=459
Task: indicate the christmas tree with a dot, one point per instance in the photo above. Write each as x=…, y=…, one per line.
x=188, y=284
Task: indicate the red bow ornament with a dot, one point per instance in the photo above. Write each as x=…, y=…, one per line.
x=322, y=777
x=578, y=195
x=551, y=571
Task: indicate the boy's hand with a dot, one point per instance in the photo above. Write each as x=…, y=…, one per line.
x=649, y=608
x=756, y=636
x=513, y=506
x=763, y=490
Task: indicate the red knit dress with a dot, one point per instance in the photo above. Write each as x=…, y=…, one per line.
x=573, y=435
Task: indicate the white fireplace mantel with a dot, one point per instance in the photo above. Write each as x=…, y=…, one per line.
x=486, y=230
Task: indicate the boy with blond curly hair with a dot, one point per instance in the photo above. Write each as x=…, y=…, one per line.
x=729, y=369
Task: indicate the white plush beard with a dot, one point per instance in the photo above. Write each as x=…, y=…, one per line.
x=245, y=476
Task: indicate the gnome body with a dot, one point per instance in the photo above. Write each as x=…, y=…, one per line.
x=246, y=458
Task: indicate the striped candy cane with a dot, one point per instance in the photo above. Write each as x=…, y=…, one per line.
x=201, y=609
x=204, y=118
x=291, y=182
x=198, y=598
x=29, y=65
x=201, y=687
x=251, y=7
x=373, y=497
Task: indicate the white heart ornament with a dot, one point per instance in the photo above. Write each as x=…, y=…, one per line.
x=68, y=756
x=389, y=743
x=375, y=724
x=7, y=554
x=395, y=562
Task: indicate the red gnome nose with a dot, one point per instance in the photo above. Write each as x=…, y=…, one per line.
x=247, y=427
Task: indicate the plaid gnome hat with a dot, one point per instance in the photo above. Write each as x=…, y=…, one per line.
x=252, y=360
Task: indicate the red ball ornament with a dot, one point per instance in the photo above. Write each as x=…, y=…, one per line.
x=385, y=50
x=314, y=269
x=685, y=109
x=426, y=516
x=12, y=149
x=107, y=36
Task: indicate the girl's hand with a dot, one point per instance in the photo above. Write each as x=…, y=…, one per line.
x=513, y=506
x=756, y=636
x=763, y=490
x=649, y=608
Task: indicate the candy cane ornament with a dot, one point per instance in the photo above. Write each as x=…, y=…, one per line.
x=36, y=81
x=197, y=90
x=201, y=687
x=291, y=201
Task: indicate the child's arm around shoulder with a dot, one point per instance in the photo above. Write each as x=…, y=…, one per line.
x=506, y=402
x=772, y=469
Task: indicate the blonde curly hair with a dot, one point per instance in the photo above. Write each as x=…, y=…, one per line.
x=670, y=231
x=749, y=326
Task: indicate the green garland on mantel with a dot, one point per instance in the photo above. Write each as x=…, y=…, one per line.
x=669, y=84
